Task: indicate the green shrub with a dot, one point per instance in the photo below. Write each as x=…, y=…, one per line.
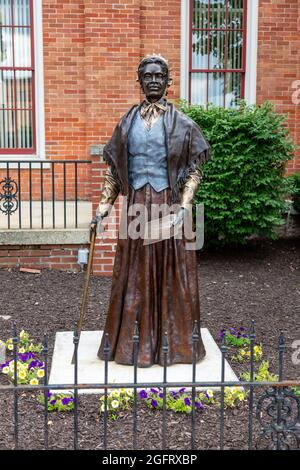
x=243, y=184
x=293, y=189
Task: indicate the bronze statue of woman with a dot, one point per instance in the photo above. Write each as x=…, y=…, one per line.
x=154, y=156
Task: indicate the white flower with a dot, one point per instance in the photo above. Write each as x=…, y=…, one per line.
x=34, y=382
x=115, y=394
x=129, y=392
x=102, y=407
x=209, y=393
x=21, y=350
x=40, y=373
x=114, y=404
x=10, y=347
x=5, y=370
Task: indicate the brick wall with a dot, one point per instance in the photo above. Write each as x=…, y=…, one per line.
x=62, y=257
x=278, y=64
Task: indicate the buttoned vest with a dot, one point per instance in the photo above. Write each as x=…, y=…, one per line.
x=147, y=155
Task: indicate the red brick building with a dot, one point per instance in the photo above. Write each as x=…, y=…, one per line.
x=67, y=74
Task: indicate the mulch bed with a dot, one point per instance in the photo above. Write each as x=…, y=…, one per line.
x=260, y=281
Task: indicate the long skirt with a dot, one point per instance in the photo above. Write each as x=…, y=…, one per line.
x=157, y=286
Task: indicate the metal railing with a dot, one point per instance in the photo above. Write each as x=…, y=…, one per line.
x=279, y=403
x=42, y=194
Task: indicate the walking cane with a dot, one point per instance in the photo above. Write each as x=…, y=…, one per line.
x=93, y=235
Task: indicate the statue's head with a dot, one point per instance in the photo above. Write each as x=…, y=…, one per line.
x=154, y=76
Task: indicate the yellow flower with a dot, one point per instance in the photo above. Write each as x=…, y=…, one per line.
x=115, y=394
x=5, y=370
x=102, y=407
x=114, y=404
x=129, y=392
x=123, y=390
x=22, y=375
x=34, y=382
x=10, y=347
x=40, y=373
x=11, y=366
x=21, y=350
x=209, y=393
x=243, y=352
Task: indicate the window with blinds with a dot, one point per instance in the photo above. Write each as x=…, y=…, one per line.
x=17, y=110
x=217, y=51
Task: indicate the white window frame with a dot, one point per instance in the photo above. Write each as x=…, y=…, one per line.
x=251, y=50
x=40, y=153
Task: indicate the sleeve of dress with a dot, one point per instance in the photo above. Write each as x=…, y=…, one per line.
x=109, y=194
x=190, y=187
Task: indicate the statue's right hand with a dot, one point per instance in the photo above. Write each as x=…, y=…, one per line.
x=98, y=220
x=100, y=215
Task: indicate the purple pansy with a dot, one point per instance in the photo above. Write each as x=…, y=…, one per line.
x=161, y=395
x=199, y=405
x=143, y=394
x=33, y=364
x=24, y=357
x=182, y=390
x=52, y=402
x=154, y=403
x=187, y=401
x=66, y=401
x=153, y=390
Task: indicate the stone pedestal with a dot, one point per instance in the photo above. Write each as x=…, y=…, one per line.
x=2, y=352
x=91, y=368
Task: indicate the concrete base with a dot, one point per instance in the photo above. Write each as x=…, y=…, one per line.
x=2, y=352
x=91, y=368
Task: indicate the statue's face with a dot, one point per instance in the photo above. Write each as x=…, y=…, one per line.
x=153, y=82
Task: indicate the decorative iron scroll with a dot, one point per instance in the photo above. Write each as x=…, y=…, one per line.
x=8, y=196
x=278, y=412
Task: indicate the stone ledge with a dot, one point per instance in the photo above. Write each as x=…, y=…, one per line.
x=45, y=237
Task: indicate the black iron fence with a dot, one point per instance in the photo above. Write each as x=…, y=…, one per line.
x=276, y=409
x=43, y=194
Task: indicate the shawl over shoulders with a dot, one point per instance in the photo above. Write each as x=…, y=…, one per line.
x=187, y=148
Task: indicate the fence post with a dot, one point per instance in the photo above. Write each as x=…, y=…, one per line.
x=252, y=340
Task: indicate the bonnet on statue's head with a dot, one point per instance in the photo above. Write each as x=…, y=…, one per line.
x=153, y=59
